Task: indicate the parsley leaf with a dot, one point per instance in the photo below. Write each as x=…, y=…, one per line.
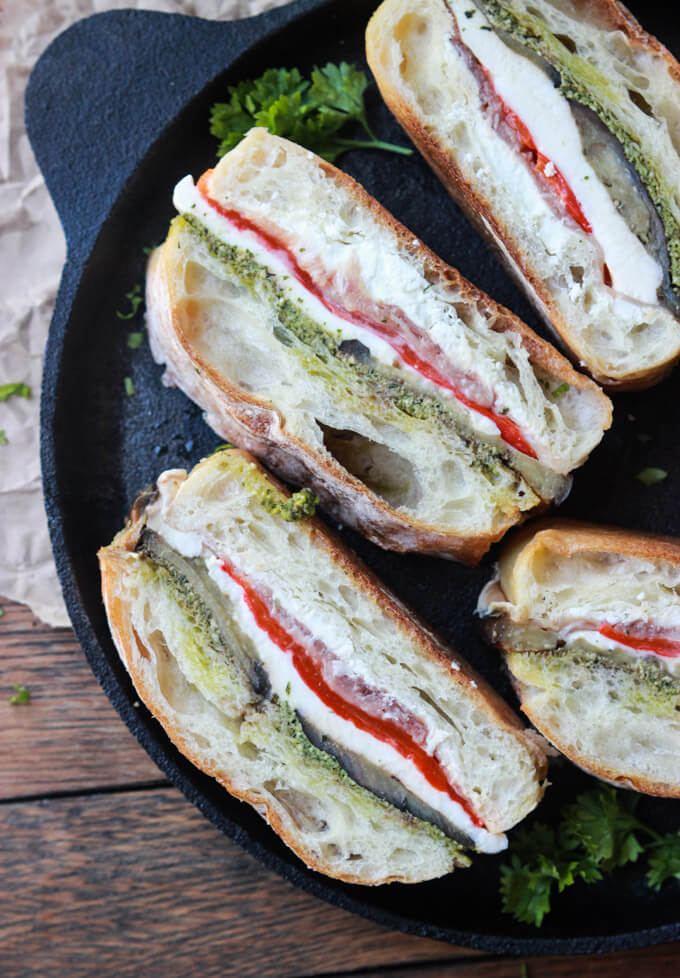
x=129, y=386
x=560, y=391
x=603, y=824
x=3, y=437
x=540, y=860
x=650, y=476
x=664, y=862
x=135, y=340
x=135, y=298
x=16, y=389
x=309, y=111
x=596, y=834
x=525, y=890
x=21, y=696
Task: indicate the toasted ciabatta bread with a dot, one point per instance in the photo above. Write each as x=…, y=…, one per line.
x=316, y=332
x=589, y=621
x=281, y=667
x=556, y=125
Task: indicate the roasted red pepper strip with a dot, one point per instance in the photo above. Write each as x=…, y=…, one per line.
x=382, y=728
x=666, y=647
x=509, y=431
x=539, y=162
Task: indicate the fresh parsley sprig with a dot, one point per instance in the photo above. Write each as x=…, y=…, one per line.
x=664, y=861
x=309, y=111
x=597, y=833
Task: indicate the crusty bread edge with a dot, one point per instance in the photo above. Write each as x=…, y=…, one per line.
x=568, y=537
x=590, y=764
x=480, y=213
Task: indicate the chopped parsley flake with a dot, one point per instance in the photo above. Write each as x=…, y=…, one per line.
x=16, y=389
x=3, y=437
x=559, y=391
x=129, y=386
x=135, y=340
x=651, y=475
x=21, y=696
x=135, y=298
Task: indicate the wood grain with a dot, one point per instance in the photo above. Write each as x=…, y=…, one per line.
x=658, y=962
x=138, y=883
x=69, y=736
x=135, y=882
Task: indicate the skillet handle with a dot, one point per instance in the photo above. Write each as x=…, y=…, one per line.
x=87, y=118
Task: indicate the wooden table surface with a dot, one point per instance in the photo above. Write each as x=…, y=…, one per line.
x=107, y=871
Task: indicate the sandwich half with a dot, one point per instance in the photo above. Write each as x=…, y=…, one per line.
x=317, y=333
x=588, y=619
x=556, y=125
x=277, y=664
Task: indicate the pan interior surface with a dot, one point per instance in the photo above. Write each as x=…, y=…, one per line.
x=101, y=446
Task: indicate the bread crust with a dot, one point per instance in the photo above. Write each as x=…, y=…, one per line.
x=478, y=208
x=589, y=763
x=118, y=607
x=252, y=423
x=567, y=538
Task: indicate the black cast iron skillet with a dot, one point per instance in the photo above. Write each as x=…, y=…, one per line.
x=117, y=110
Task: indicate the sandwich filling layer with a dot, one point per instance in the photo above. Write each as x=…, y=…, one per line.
x=532, y=114
x=400, y=342
x=323, y=691
x=393, y=743
x=365, y=388
x=349, y=277
x=543, y=38
x=217, y=711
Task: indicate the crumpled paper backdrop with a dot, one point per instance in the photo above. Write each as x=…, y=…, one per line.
x=32, y=252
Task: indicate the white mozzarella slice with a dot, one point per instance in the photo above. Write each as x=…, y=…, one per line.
x=528, y=91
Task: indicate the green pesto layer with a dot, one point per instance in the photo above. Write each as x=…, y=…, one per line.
x=640, y=683
x=267, y=722
x=360, y=383
x=582, y=82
